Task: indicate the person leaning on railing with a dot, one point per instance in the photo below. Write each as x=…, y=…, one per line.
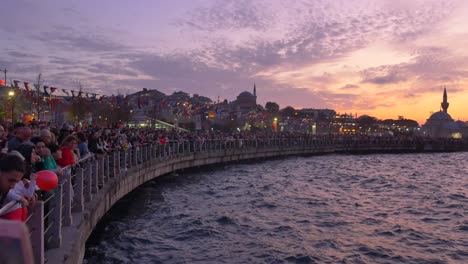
x=21, y=193
x=82, y=145
x=93, y=143
x=12, y=170
x=69, y=146
x=47, y=160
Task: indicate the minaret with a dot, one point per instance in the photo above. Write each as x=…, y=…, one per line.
x=255, y=90
x=444, y=103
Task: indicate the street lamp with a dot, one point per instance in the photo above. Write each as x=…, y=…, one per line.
x=11, y=95
x=275, y=124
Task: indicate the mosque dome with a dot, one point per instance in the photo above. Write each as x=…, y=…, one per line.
x=440, y=124
x=245, y=94
x=440, y=116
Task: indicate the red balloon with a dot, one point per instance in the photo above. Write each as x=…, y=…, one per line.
x=46, y=180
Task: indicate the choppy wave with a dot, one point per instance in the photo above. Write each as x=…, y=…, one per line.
x=322, y=209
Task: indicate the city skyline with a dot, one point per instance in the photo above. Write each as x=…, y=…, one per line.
x=381, y=58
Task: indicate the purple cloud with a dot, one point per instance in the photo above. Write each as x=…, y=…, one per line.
x=222, y=47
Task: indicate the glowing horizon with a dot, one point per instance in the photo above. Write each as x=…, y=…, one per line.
x=381, y=58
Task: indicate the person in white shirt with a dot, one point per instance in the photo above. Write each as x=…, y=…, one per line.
x=22, y=191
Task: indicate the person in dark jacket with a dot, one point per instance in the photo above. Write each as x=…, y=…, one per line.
x=93, y=143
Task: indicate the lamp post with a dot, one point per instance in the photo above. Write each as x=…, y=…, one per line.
x=11, y=95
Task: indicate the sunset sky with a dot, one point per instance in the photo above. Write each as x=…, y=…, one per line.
x=383, y=58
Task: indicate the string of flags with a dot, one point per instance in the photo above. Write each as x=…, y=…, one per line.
x=51, y=94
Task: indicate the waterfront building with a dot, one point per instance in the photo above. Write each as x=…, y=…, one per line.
x=344, y=124
x=440, y=124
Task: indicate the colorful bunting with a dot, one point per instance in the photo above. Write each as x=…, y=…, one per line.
x=26, y=86
x=16, y=84
x=45, y=90
x=66, y=92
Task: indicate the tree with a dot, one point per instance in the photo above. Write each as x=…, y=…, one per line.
x=119, y=113
x=38, y=105
x=112, y=112
x=272, y=107
x=366, y=121
x=288, y=111
x=80, y=107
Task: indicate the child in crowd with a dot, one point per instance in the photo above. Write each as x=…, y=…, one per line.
x=22, y=191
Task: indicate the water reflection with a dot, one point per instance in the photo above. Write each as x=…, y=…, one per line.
x=322, y=209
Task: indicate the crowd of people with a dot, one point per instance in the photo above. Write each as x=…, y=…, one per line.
x=26, y=149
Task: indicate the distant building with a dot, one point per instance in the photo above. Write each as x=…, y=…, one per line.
x=317, y=114
x=245, y=103
x=440, y=124
x=144, y=105
x=344, y=124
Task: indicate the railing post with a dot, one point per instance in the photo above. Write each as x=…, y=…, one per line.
x=123, y=161
x=128, y=157
x=36, y=226
x=56, y=219
x=148, y=152
x=67, y=197
x=116, y=164
x=132, y=156
x=110, y=165
x=88, y=181
x=154, y=154
x=100, y=171
x=95, y=173
x=145, y=153
x=140, y=152
x=171, y=149
x=106, y=167
x=78, y=197
x=135, y=156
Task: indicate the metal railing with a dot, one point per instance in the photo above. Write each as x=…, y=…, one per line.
x=80, y=183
